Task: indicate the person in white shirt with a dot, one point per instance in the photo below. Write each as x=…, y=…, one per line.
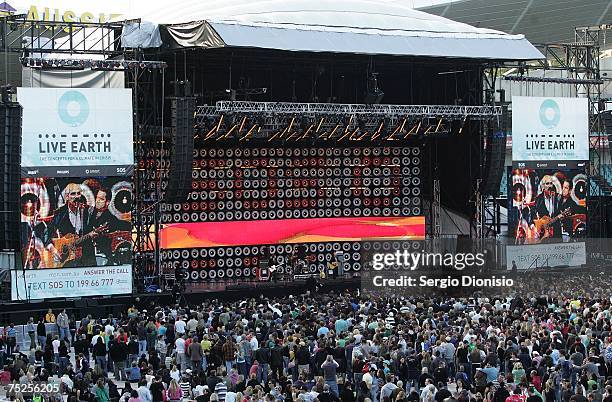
x=143, y=392
x=199, y=390
x=56, y=344
x=67, y=381
x=179, y=326
x=175, y=374
x=109, y=330
x=230, y=396
x=254, y=342
x=94, y=339
x=192, y=325
x=181, y=358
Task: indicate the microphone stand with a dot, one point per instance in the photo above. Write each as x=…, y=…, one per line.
x=31, y=246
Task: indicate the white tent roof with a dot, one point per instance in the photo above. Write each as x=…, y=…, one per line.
x=351, y=26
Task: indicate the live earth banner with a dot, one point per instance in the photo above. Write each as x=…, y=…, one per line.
x=73, y=282
x=76, y=132
x=546, y=130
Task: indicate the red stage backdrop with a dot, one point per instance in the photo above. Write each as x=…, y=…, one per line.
x=243, y=233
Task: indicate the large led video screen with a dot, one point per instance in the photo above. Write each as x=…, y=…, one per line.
x=285, y=231
x=547, y=205
x=75, y=222
x=70, y=132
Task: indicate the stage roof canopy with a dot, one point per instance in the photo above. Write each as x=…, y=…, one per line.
x=385, y=27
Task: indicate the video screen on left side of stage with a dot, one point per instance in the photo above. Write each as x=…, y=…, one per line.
x=76, y=222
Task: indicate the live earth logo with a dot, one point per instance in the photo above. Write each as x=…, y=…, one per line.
x=550, y=114
x=73, y=108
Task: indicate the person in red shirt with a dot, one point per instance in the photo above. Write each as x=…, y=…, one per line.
x=5, y=376
x=536, y=380
x=516, y=396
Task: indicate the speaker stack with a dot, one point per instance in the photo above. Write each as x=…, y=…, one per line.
x=10, y=161
x=495, y=158
x=179, y=175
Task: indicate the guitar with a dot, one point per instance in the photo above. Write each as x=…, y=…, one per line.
x=70, y=247
x=121, y=238
x=322, y=274
x=543, y=226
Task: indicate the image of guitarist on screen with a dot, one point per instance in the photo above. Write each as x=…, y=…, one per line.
x=547, y=207
x=69, y=236
x=101, y=217
x=567, y=203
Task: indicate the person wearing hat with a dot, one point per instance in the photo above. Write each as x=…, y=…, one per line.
x=447, y=352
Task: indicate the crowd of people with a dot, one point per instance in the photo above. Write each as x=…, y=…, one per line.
x=537, y=345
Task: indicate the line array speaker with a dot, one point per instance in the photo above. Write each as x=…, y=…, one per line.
x=10, y=161
x=495, y=158
x=179, y=177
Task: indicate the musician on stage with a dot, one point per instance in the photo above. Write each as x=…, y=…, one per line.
x=293, y=260
x=567, y=203
x=102, y=217
x=72, y=218
x=547, y=204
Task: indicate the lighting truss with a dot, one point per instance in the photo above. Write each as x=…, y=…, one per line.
x=45, y=37
x=81, y=64
x=573, y=81
x=450, y=111
x=243, y=127
x=295, y=122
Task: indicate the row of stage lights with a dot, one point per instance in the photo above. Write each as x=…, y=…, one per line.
x=224, y=154
x=82, y=64
x=388, y=184
x=227, y=263
x=255, y=178
x=339, y=129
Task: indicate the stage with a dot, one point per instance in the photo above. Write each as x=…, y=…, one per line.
x=195, y=293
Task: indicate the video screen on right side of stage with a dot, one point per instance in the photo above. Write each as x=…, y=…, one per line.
x=547, y=206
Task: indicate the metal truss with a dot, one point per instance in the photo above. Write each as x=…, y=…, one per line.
x=480, y=214
x=338, y=122
x=148, y=147
x=35, y=38
x=575, y=81
x=436, y=210
x=81, y=64
x=449, y=111
x=338, y=128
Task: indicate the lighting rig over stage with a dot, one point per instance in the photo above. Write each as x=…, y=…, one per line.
x=329, y=122
x=93, y=64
